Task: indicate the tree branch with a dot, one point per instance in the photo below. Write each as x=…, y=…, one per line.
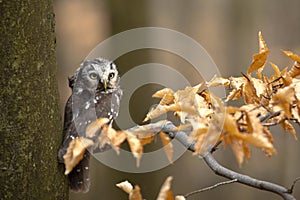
x=180, y=135
x=227, y=173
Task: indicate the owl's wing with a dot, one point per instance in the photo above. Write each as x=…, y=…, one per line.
x=79, y=179
x=69, y=130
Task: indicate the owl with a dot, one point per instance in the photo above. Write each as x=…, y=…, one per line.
x=95, y=94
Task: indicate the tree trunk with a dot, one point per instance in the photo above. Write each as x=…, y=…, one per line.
x=30, y=122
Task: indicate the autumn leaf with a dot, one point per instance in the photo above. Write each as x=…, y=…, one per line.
x=292, y=56
x=135, y=146
x=125, y=186
x=165, y=191
x=134, y=193
x=288, y=126
x=112, y=137
x=93, y=127
x=259, y=59
x=75, y=152
x=283, y=99
x=166, y=95
x=217, y=81
x=168, y=146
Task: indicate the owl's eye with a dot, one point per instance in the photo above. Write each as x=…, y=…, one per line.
x=93, y=76
x=111, y=75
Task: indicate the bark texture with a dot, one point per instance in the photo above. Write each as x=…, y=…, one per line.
x=30, y=122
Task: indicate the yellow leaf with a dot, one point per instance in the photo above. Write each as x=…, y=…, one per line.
x=163, y=92
x=180, y=197
x=238, y=150
x=161, y=109
x=295, y=70
x=292, y=56
x=237, y=85
x=262, y=44
x=259, y=61
x=112, y=137
x=135, y=146
x=277, y=72
x=166, y=95
x=165, y=191
x=216, y=81
x=145, y=137
x=288, y=126
x=168, y=146
x=125, y=186
x=75, y=152
x=136, y=194
x=284, y=99
x=93, y=127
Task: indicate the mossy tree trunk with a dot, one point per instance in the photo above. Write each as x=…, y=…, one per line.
x=30, y=122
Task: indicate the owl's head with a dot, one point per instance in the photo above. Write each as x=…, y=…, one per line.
x=96, y=75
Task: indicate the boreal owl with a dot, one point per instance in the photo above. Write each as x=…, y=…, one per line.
x=95, y=94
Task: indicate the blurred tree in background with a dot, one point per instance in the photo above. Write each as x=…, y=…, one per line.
x=228, y=31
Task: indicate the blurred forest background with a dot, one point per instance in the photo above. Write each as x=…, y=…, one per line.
x=228, y=31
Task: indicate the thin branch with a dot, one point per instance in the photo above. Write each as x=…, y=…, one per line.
x=210, y=187
x=293, y=185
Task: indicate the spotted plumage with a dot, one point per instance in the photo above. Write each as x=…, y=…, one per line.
x=95, y=93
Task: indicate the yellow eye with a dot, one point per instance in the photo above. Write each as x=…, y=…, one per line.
x=111, y=75
x=93, y=76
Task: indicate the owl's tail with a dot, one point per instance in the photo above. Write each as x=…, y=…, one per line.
x=79, y=177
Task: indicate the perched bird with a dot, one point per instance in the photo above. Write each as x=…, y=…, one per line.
x=95, y=94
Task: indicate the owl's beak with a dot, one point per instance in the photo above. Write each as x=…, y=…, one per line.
x=105, y=84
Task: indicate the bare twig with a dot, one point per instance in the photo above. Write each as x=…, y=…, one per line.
x=210, y=187
x=293, y=185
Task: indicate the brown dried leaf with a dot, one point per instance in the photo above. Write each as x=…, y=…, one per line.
x=165, y=191
x=237, y=84
x=207, y=135
x=112, y=137
x=217, y=81
x=161, y=109
x=295, y=70
x=277, y=72
x=260, y=87
x=286, y=125
x=75, y=152
x=135, y=146
x=145, y=137
x=180, y=197
x=292, y=56
x=261, y=43
x=163, y=92
x=168, y=146
x=238, y=150
x=136, y=194
x=125, y=186
x=259, y=61
x=166, y=95
x=284, y=98
x=93, y=127
x=186, y=100
x=296, y=113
